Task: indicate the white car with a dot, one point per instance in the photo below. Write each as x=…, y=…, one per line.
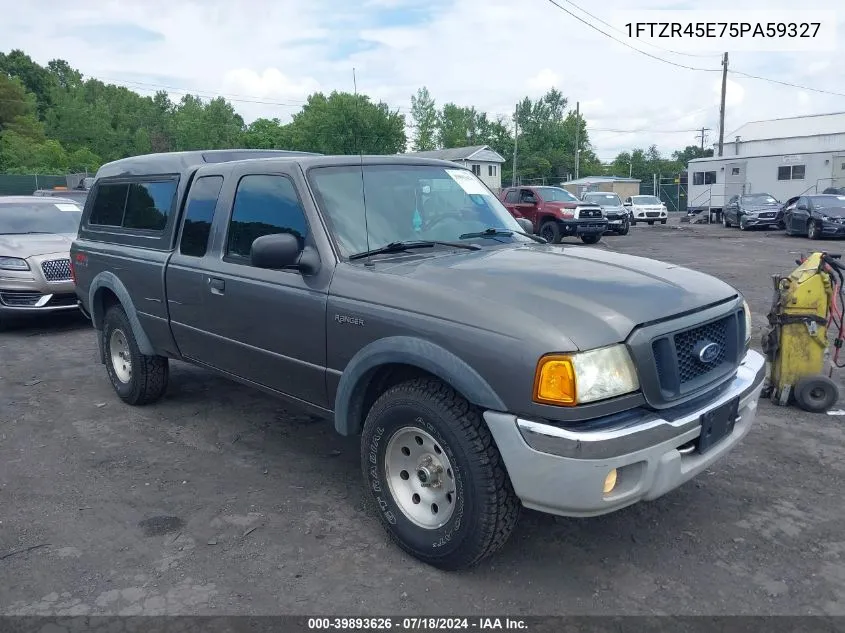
x=646, y=209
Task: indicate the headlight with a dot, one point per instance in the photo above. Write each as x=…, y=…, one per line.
x=13, y=263
x=747, y=311
x=572, y=379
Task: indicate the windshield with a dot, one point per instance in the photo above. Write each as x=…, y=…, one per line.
x=406, y=203
x=35, y=217
x=646, y=200
x=758, y=198
x=555, y=194
x=604, y=199
x=829, y=202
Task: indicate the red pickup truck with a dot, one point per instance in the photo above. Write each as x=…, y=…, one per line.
x=555, y=213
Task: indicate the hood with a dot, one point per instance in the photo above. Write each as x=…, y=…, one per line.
x=587, y=297
x=836, y=212
x=572, y=205
x=615, y=210
x=34, y=244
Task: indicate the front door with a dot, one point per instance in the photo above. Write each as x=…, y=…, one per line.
x=838, y=171
x=267, y=326
x=734, y=180
x=528, y=205
x=800, y=214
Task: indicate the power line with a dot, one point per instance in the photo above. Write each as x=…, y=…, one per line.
x=668, y=50
x=667, y=61
x=633, y=48
x=786, y=83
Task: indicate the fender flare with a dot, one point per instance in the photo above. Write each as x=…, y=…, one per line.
x=110, y=281
x=412, y=351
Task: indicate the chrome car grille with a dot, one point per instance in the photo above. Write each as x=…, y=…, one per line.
x=765, y=215
x=56, y=270
x=589, y=213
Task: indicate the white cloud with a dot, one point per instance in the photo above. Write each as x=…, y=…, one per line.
x=486, y=53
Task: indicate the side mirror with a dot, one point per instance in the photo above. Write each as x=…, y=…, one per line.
x=527, y=226
x=280, y=250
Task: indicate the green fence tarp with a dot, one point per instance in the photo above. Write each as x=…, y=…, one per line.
x=14, y=185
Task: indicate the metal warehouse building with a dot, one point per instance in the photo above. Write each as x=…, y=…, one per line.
x=782, y=157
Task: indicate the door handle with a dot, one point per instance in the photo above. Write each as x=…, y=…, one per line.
x=217, y=286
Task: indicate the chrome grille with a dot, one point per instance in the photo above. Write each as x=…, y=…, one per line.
x=19, y=298
x=589, y=213
x=56, y=270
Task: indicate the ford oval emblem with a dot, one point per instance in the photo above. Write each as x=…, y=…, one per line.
x=708, y=352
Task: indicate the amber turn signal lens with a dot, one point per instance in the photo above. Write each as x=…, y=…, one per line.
x=555, y=381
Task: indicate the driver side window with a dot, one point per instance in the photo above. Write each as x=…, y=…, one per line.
x=526, y=196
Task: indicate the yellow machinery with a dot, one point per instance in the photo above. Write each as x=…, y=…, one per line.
x=806, y=303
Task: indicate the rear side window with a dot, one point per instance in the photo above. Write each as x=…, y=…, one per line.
x=264, y=205
x=148, y=205
x=199, y=213
x=138, y=205
x=109, y=204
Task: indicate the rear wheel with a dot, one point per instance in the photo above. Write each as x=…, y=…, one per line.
x=435, y=477
x=590, y=239
x=550, y=232
x=137, y=379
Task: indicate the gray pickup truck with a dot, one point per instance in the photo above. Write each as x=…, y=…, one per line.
x=483, y=368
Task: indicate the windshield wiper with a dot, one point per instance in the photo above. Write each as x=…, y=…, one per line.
x=28, y=233
x=398, y=247
x=493, y=232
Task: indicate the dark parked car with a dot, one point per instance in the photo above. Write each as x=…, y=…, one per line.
x=482, y=368
x=617, y=214
x=837, y=191
x=751, y=210
x=816, y=216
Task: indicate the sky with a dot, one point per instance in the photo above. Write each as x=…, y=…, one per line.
x=266, y=57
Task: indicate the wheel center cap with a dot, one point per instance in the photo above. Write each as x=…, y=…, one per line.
x=428, y=473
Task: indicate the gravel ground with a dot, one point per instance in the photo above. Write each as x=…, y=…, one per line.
x=221, y=500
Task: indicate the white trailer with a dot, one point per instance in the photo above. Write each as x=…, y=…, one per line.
x=712, y=182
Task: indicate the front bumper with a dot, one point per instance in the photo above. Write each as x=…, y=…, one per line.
x=562, y=471
x=649, y=215
x=29, y=292
x=833, y=229
x=753, y=220
x=587, y=226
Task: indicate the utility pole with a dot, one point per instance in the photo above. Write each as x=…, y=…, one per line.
x=722, y=110
x=577, y=137
x=515, y=139
x=703, y=135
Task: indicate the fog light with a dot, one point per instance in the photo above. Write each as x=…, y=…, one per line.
x=610, y=481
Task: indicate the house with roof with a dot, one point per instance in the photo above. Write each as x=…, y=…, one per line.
x=484, y=161
x=781, y=157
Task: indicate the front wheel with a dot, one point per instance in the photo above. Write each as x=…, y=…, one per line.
x=550, y=232
x=743, y=224
x=435, y=476
x=623, y=230
x=813, y=230
x=138, y=379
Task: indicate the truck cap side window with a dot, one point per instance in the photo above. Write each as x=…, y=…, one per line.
x=264, y=205
x=141, y=206
x=199, y=214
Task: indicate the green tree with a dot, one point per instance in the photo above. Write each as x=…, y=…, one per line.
x=684, y=156
x=36, y=79
x=267, y=134
x=344, y=123
x=15, y=102
x=424, y=118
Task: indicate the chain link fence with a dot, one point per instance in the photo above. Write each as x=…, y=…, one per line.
x=26, y=184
